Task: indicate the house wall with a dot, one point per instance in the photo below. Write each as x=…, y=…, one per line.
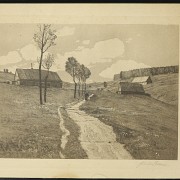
x=131, y=92
x=36, y=83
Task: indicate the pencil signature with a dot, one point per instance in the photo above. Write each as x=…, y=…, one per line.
x=154, y=163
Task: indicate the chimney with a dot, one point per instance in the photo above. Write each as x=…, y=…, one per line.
x=31, y=66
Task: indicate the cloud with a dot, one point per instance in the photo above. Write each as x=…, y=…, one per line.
x=86, y=42
x=103, y=51
x=79, y=48
x=65, y=31
x=11, y=57
x=128, y=40
x=121, y=65
x=30, y=52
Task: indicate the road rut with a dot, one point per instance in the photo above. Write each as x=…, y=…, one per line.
x=97, y=138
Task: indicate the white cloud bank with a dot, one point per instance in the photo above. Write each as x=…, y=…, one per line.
x=30, y=52
x=11, y=57
x=65, y=31
x=121, y=65
x=103, y=51
x=129, y=40
x=86, y=42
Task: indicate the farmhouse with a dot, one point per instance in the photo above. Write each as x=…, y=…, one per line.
x=130, y=88
x=142, y=80
x=30, y=77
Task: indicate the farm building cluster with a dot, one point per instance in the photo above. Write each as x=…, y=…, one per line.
x=134, y=81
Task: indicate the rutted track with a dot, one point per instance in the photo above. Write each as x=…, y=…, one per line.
x=97, y=139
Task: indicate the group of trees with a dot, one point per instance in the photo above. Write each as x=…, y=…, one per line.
x=79, y=73
x=45, y=38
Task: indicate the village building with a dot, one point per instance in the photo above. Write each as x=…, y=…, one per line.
x=142, y=80
x=30, y=77
x=130, y=88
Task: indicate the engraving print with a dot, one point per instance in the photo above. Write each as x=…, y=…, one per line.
x=89, y=91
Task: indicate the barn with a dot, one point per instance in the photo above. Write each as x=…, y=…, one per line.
x=30, y=77
x=142, y=80
x=130, y=88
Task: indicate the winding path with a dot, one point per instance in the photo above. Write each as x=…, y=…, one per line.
x=66, y=133
x=97, y=138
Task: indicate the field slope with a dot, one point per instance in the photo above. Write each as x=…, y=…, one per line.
x=164, y=88
x=147, y=127
x=28, y=130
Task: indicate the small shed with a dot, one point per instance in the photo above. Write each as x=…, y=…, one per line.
x=30, y=77
x=142, y=80
x=130, y=88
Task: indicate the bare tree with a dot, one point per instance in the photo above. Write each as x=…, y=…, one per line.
x=44, y=38
x=83, y=77
x=47, y=64
x=72, y=68
x=87, y=74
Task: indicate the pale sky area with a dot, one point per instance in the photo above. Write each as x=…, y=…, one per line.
x=105, y=49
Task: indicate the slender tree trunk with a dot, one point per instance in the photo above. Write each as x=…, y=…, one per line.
x=40, y=80
x=79, y=90
x=85, y=87
x=75, y=85
x=45, y=88
x=82, y=89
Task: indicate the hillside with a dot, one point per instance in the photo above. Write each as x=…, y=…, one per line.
x=164, y=88
x=28, y=130
x=147, y=127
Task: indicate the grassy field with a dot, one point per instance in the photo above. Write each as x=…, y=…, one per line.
x=147, y=127
x=164, y=88
x=28, y=130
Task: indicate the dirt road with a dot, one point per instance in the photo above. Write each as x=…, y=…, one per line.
x=97, y=139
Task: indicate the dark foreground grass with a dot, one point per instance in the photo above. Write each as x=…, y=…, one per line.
x=147, y=127
x=73, y=149
x=28, y=130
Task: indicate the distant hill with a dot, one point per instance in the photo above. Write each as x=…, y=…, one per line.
x=148, y=72
x=6, y=76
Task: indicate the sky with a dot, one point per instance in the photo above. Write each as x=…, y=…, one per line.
x=104, y=49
